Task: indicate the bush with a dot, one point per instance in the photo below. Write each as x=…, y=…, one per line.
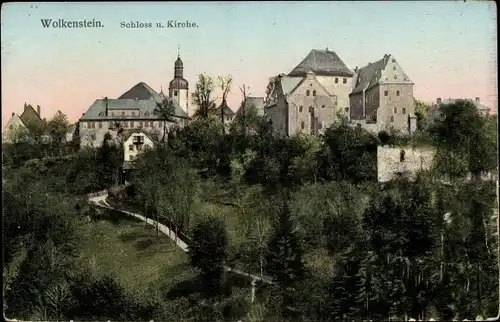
x=235, y=308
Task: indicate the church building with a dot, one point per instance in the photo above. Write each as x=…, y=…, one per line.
x=134, y=110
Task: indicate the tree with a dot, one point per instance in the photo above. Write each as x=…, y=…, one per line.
x=202, y=97
x=166, y=111
x=208, y=253
x=58, y=127
x=109, y=160
x=421, y=110
x=284, y=258
x=225, y=86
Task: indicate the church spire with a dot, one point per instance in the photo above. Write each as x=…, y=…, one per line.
x=178, y=51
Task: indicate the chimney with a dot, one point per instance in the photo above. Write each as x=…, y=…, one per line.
x=25, y=105
x=38, y=110
x=477, y=99
x=107, y=105
x=438, y=100
x=13, y=113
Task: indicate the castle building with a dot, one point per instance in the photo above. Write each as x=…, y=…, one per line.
x=134, y=110
x=30, y=120
x=311, y=97
x=382, y=98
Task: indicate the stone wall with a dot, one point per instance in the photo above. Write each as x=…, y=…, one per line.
x=390, y=166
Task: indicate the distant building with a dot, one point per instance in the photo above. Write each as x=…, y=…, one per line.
x=225, y=113
x=251, y=101
x=382, y=98
x=394, y=163
x=434, y=114
x=135, y=110
x=30, y=120
x=310, y=97
x=72, y=136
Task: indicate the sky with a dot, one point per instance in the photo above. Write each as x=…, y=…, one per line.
x=448, y=48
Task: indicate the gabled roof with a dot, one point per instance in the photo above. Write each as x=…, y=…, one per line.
x=227, y=109
x=322, y=62
x=369, y=75
x=30, y=116
x=129, y=133
x=377, y=72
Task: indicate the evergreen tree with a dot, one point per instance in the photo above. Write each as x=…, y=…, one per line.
x=208, y=253
x=284, y=259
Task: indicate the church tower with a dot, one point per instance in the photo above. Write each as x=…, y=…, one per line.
x=178, y=88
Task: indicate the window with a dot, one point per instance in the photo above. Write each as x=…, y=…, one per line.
x=322, y=106
x=392, y=118
x=394, y=67
x=300, y=109
x=100, y=125
x=395, y=76
x=101, y=113
x=395, y=110
x=397, y=93
x=386, y=93
x=131, y=124
x=131, y=157
x=125, y=125
x=401, y=156
x=146, y=113
x=146, y=124
x=131, y=147
x=151, y=124
x=175, y=93
x=133, y=113
x=112, y=113
x=336, y=80
x=140, y=124
x=308, y=93
x=344, y=81
x=346, y=109
x=404, y=110
x=314, y=93
x=123, y=113
x=160, y=124
x=302, y=125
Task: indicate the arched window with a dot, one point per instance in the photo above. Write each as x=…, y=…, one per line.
x=397, y=93
x=314, y=93
x=300, y=109
x=308, y=92
x=395, y=110
x=302, y=125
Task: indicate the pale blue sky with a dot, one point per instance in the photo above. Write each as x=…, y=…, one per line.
x=447, y=48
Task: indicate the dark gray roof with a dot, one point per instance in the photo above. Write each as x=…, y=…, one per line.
x=369, y=75
x=227, y=109
x=140, y=97
x=322, y=62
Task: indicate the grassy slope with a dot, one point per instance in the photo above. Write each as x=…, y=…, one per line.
x=133, y=253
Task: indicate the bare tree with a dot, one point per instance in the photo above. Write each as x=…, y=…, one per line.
x=225, y=86
x=244, y=89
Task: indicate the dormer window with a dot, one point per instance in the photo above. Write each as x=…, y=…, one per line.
x=314, y=93
x=101, y=113
x=308, y=92
x=146, y=113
